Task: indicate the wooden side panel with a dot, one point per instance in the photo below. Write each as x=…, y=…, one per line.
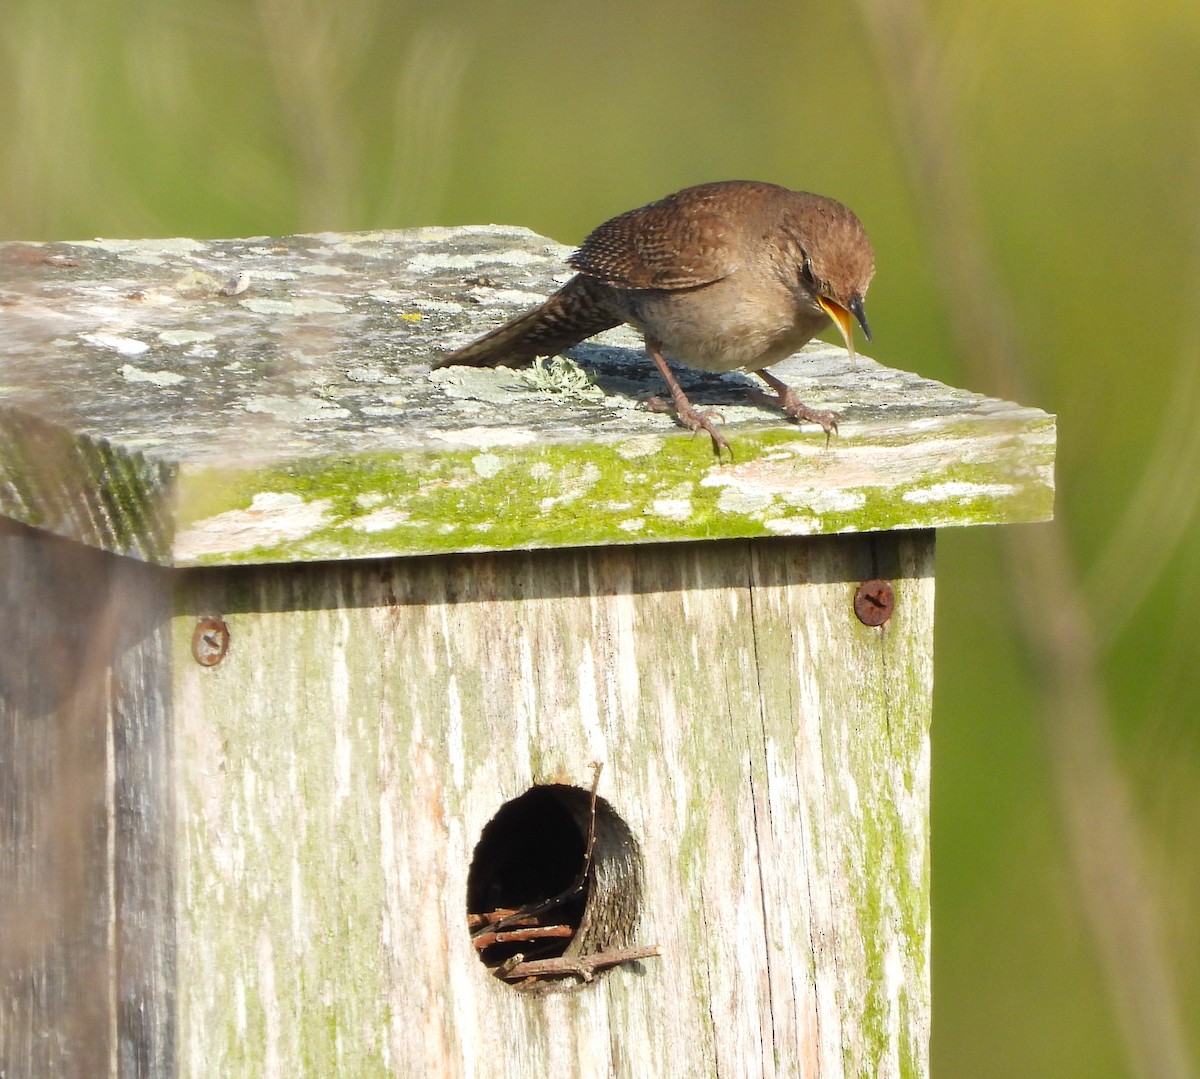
x=769, y=753
x=85, y=957
x=847, y=750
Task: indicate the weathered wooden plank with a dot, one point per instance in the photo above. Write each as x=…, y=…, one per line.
x=768, y=752
x=144, y=412
x=864, y=722
x=86, y=971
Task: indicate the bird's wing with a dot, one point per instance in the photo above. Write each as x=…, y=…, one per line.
x=670, y=244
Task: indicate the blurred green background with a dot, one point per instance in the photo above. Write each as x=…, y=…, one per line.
x=1072, y=133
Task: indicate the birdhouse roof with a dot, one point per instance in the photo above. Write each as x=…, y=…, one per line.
x=156, y=404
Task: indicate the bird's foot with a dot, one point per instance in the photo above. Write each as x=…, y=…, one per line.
x=694, y=421
x=822, y=417
x=791, y=404
x=798, y=410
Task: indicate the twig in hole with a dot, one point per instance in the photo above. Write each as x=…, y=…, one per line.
x=479, y=921
x=507, y=967
x=535, y=932
x=532, y=910
x=582, y=966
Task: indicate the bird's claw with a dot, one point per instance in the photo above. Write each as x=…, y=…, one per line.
x=694, y=421
x=822, y=417
x=703, y=421
x=798, y=410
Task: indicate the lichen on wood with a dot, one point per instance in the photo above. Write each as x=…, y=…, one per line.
x=769, y=753
x=148, y=409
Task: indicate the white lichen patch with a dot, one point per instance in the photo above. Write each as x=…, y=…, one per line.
x=314, y=269
x=448, y=307
x=178, y=338
x=374, y=372
x=296, y=409
x=514, y=231
x=483, y=438
x=958, y=491
x=753, y=489
x=798, y=525
x=490, y=297
x=156, y=378
x=562, y=376
x=147, y=252
x=154, y=297
x=486, y=465
x=196, y=283
x=479, y=385
x=633, y=524
x=126, y=346
x=432, y=262
x=380, y=520
x=639, y=446
x=589, y=474
x=352, y=241
x=745, y=501
x=307, y=305
x=378, y=243
x=391, y=295
x=427, y=262
x=675, y=509
x=827, y=499
x=575, y=487
x=271, y=520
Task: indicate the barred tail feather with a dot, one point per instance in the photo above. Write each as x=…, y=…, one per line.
x=581, y=308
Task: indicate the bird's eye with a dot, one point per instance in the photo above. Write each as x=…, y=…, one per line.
x=806, y=273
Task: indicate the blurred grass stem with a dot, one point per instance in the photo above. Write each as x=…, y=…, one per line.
x=1101, y=825
x=316, y=50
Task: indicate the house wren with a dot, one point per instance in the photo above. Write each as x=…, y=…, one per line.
x=726, y=276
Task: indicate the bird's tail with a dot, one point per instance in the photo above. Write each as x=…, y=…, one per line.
x=580, y=308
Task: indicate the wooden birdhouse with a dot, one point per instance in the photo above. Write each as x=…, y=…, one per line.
x=358, y=721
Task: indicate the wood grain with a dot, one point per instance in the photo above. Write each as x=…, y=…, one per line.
x=768, y=752
x=144, y=412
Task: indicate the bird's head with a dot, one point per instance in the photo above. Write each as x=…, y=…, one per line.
x=836, y=264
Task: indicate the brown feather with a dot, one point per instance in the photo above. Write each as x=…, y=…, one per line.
x=581, y=308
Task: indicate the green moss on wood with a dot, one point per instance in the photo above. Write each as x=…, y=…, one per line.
x=602, y=492
x=316, y=384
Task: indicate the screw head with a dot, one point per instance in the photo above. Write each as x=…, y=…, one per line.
x=874, y=602
x=210, y=641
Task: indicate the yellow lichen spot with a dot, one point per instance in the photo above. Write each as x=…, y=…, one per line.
x=412, y=316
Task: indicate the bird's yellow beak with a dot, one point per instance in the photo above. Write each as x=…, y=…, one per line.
x=841, y=318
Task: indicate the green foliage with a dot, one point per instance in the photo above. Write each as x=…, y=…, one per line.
x=221, y=118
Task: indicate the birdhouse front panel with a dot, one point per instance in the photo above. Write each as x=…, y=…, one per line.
x=759, y=824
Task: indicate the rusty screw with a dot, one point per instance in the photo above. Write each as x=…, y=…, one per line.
x=874, y=602
x=210, y=641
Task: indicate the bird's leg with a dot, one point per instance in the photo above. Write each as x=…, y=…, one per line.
x=794, y=407
x=681, y=406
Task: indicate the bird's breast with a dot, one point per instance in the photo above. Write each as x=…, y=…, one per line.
x=724, y=327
